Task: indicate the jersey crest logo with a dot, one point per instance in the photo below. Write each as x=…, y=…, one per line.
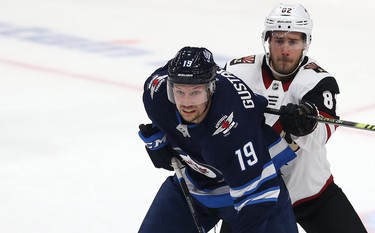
x=155, y=84
x=315, y=67
x=224, y=125
x=248, y=59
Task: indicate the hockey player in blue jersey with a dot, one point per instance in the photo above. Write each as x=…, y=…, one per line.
x=213, y=123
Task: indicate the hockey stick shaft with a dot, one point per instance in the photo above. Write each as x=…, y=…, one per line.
x=176, y=164
x=332, y=121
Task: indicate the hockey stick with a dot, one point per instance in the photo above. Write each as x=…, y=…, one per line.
x=332, y=121
x=176, y=164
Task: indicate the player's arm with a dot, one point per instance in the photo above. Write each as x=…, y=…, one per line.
x=280, y=152
x=157, y=146
x=323, y=95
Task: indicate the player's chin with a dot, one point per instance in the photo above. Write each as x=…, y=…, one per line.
x=285, y=69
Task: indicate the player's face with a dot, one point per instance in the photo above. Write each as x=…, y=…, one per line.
x=191, y=101
x=286, y=49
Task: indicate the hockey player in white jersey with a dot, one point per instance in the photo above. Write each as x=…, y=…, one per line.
x=297, y=85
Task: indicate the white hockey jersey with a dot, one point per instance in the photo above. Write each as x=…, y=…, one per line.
x=307, y=175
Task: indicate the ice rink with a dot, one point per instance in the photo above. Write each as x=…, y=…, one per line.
x=71, y=75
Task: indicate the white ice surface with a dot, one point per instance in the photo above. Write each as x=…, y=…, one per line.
x=70, y=157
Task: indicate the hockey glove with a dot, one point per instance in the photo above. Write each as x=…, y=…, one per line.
x=294, y=120
x=157, y=146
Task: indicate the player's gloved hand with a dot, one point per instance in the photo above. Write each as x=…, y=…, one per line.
x=157, y=146
x=294, y=120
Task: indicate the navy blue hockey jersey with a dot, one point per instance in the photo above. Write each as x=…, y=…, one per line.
x=229, y=153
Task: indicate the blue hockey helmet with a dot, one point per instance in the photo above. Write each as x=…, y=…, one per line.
x=192, y=66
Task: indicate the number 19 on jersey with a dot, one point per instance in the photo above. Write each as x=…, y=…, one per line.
x=246, y=155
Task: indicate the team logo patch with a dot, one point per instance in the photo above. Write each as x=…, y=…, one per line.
x=248, y=59
x=315, y=67
x=275, y=86
x=224, y=125
x=207, y=54
x=204, y=170
x=155, y=84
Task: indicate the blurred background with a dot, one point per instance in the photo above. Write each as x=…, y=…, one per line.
x=71, y=76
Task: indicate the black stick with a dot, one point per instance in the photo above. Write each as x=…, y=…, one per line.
x=332, y=121
x=176, y=164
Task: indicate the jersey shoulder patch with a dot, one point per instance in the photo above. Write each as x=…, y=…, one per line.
x=248, y=59
x=315, y=67
x=155, y=83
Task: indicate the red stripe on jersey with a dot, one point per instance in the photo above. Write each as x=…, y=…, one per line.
x=329, y=133
x=329, y=181
x=287, y=84
x=278, y=127
x=268, y=78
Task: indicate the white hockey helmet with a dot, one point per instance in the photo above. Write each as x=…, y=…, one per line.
x=289, y=17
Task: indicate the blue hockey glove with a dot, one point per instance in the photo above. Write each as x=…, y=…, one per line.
x=157, y=146
x=294, y=120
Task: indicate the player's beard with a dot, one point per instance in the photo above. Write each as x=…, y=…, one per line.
x=284, y=65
